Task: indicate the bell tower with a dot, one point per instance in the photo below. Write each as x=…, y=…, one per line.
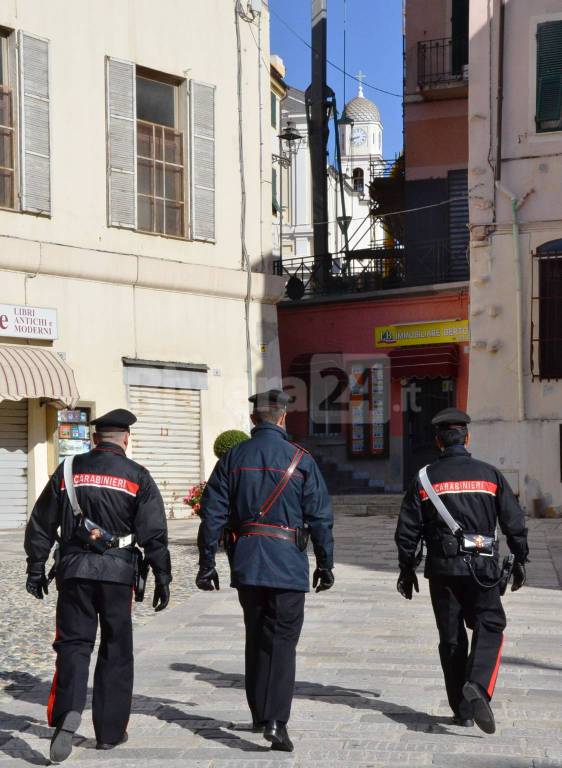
x=360, y=137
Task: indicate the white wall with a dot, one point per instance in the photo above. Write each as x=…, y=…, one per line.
x=527, y=448
x=120, y=293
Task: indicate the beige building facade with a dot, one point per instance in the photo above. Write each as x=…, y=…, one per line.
x=131, y=172
x=515, y=168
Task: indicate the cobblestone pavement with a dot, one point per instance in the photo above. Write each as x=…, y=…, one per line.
x=369, y=689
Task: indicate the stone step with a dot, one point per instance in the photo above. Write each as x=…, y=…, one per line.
x=362, y=505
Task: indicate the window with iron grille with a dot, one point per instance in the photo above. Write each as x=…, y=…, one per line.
x=546, y=331
x=7, y=131
x=549, y=76
x=160, y=159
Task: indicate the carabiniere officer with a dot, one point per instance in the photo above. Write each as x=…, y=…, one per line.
x=268, y=493
x=120, y=505
x=464, y=589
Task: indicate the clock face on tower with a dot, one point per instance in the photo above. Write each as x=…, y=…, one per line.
x=358, y=137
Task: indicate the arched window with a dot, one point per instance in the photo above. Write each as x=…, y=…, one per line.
x=358, y=180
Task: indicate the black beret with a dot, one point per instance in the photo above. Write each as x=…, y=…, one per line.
x=450, y=417
x=117, y=419
x=270, y=398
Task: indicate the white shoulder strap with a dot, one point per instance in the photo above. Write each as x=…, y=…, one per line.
x=442, y=510
x=69, y=485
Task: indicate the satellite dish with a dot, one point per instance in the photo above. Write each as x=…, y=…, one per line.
x=295, y=288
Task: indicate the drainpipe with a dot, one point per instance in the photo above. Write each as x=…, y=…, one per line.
x=516, y=204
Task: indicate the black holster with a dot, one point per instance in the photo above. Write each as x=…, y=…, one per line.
x=507, y=570
x=56, y=562
x=302, y=536
x=141, y=574
x=229, y=539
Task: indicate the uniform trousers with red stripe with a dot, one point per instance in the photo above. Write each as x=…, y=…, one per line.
x=82, y=605
x=273, y=619
x=458, y=602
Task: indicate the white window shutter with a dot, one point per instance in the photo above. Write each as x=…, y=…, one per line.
x=121, y=115
x=35, y=142
x=202, y=112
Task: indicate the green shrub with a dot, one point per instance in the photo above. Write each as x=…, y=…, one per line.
x=227, y=440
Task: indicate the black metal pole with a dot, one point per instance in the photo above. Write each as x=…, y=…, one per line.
x=318, y=129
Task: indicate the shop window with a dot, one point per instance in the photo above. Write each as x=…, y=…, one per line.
x=328, y=384
x=358, y=180
x=160, y=158
x=7, y=130
x=546, y=331
x=368, y=409
x=73, y=432
x=549, y=77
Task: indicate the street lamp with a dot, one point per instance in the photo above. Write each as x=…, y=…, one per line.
x=290, y=140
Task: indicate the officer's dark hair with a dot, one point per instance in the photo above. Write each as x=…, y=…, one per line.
x=111, y=435
x=448, y=435
x=271, y=414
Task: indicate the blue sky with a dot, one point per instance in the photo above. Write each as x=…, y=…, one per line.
x=374, y=46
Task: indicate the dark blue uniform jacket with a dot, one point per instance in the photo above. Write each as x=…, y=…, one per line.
x=239, y=485
x=478, y=497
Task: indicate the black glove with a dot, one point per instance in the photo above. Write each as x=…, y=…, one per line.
x=407, y=581
x=161, y=597
x=519, y=576
x=322, y=579
x=207, y=579
x=37, y=584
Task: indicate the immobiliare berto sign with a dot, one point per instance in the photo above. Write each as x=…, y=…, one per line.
x=416, y=334
x=28, y=322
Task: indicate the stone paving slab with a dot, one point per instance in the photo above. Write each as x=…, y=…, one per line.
x=369, y=690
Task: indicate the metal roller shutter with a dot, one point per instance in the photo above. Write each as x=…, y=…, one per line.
x=166, y=440
x=13, y=463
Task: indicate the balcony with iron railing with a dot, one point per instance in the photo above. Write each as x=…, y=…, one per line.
x=371, y=270
x=443, y=65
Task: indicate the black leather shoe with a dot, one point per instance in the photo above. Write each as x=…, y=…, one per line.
x=276, y=732
x=465, y=722
x=253, y=727
x=481, y=709
x=61, y=743
x=122, y=740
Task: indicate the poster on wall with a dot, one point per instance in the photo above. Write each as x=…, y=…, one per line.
x=73, y=432
x=369, y=392
x=377, y=425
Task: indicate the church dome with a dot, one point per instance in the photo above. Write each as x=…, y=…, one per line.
x=362, y=110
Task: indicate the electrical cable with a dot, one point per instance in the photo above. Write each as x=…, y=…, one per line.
x=331, y=63
x=393, y=213
x=245, y=264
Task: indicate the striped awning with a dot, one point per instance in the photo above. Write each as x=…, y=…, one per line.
x=35, y=372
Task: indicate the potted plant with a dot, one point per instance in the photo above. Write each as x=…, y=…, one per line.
x=227, y=440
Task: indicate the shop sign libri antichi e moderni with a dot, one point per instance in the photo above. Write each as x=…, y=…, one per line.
x=28, y=322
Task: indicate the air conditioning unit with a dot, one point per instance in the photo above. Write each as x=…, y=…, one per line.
x=255, y=7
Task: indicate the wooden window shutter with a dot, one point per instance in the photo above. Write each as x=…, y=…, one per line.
x=35, y=141
x=549, y=76
x=202, y=111
x=121, y=143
